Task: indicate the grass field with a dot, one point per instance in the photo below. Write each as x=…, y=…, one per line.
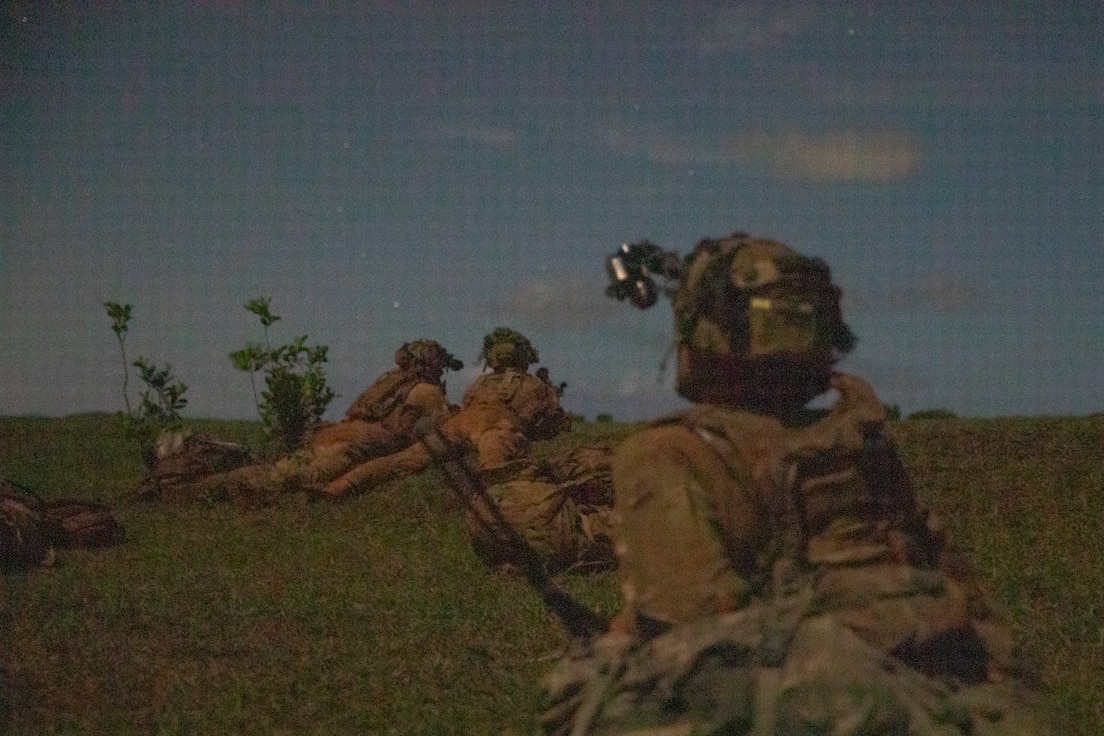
x=375, y=617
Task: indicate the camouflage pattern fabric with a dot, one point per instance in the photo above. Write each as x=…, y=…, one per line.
x=724, y=675
x=506, y=348
x=192, y=469
x=501, y=414
x=381, y=398
x=758, y=297
x=184, y=460
x=753, y=312
x=544, y=517
x=534, y=403
x=418, y=362
x=806, y=592
x=563, y=510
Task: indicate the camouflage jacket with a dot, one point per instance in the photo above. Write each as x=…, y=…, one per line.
x=533, y=403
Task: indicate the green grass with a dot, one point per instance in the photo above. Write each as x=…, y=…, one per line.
x=1025, y=497
x=375, y=617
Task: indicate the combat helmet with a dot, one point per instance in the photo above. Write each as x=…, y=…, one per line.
x=757, y=324
x=426, y=358
x=506, y=348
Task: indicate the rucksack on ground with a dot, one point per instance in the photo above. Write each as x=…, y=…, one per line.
x=23, y=539
x=74, y=523
x=31, y=529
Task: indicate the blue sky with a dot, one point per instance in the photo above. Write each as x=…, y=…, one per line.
x=435, y=170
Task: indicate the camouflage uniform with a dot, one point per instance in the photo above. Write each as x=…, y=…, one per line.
x=562, y=509
x=379, y=422
x=777, y=573
x=501, y=413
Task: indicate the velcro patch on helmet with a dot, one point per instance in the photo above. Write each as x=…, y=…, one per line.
x=757, y=298
x=780, y=325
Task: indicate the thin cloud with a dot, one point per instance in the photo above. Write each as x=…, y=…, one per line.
x=936, y=293
x=568, y=304
x=757, y=27
x=845, y=156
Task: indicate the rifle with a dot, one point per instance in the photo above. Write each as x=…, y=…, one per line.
x=580, y=621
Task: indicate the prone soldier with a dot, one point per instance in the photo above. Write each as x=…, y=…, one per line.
x=501, y=413
x=379, y=422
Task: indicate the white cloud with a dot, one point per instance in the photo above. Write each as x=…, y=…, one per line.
x=633, y=382
x=843, y=156
x=846, y=156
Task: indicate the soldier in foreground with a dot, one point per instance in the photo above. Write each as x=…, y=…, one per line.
x=501, y=412
x=379, y=422
x=778, y=575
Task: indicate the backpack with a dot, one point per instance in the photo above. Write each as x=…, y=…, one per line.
x=380, y=399
x=31, y=529
x=23, y=539
x=75, y=523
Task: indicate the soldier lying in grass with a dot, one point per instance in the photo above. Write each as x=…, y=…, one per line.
x=501, y=413
x=379, y=422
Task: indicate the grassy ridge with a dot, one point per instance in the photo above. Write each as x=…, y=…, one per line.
x=1026, y=498
x=375, y=617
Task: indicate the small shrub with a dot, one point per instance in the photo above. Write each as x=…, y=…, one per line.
x=296, y=393
x=163, y=398
x=120, y=319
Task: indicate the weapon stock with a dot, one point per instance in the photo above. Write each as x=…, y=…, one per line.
x=580, y=621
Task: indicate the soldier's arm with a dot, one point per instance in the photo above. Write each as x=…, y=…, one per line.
x=429, y=400
x=670, y=489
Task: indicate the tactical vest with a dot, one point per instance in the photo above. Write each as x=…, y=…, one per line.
x=834, y=488
x=495, y=388
x=379, y=400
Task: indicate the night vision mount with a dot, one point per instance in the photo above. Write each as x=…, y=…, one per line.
x=632, y=268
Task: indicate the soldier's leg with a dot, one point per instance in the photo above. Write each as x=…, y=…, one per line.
x=338, y=448
x=219, y=486
x=373, y=472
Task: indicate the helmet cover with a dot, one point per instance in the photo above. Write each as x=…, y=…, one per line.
x=506, y=348
x=746, y=302
x=426, y=357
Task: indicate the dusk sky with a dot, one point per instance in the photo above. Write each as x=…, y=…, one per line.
x=393, y=171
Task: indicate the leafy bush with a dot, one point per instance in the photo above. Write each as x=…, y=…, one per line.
x=296, y=393
x=163, y=397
